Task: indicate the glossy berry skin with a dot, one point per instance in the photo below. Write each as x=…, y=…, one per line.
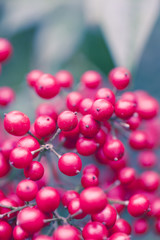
x=48, y=199
x=67, y=121
x=16, y=123
x=64, y=78
x=70, y=164
x=107, y=94
x=140, y=226
x=27, y=190
x=124, y=109
x=149, y=181
x=120, y=236
x=89, y=180
x=73, y=101
x=74, y=206
x=138, y=205
x=155, y=208
x=127, y=175
x=129, y=96
x=7, y=96
x=44, y=126
x=138, y=140
x=42, y=237
x=20, y=157
x=4, y=166
x=5, y=230
x=47, y=109
x=147, y=159
x=47, y=86
x=69, y=196
x=7, y=146
x=91, y=168
x=114, y=149
x=85, y=106
x=100, y=137
x=134, y=121
x=29, y=143
x=30, y=219
x=66, y=232
x=108, y=216
x=148, y=108
x=93, y=200
x=88, y=126
x=91, y=79
x=34, y=171
x=10, y=203
x=85, y=146
x=102, y=110
x=33, y=76
x=122, y=226
x=94, y=230
x=5, y=50
x=120, y=77
x=19, y=233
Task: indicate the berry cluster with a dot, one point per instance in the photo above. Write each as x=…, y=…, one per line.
x=41, y=198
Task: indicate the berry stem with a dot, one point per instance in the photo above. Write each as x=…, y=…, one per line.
x=113, y=185
x=112, y=201
x=54, y=151
x=56, y=134
x=39, y=149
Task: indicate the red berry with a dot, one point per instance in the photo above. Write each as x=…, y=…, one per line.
x=29, y=143
x=94, y=230
x=16, y=123
x=127, y=175
x=91, y=168
x=148, y=107
x=149, y=181
x=114, y=149
x=100, y=137
x=47, y=86
x=44, y=126
x=155, y=208
x=108, y=216
x=157, y=225
x=67, y=121
x=138, y=140
x=48, y=199
x=42, y=237
x=19, y=233
x=122, y=226
x=34, y=171
x=120, y=77
x=134, y=121
x=7, y=96
x=138, y=205
x=74, y=206
x=86, y=147
x=102, y=110
x=70, y=164
x=20, y=157
x=33, y=76
x=124, y=109
x=7, y=146
x=69, y=196
x=64, y=78
x=88, y=126
x=5, y=49
x=89, y=180
x=107, y=94
x=47, y=109
x=141, y=226
x=73, y=101
x=129, y=97
x=91, y=79
x=8, y=203
x=27, y=190
x=66, y=232
x=85, y=106
x=4, y=166
x=120, y=236
x=93, y=200
x=5, y=231
x=147, y=159
x=30, y=219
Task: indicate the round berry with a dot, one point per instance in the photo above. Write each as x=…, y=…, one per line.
x=73, y=101
x=127, y=175
x=67, y=121
x=138, y=140
x=85, y=106
x=148, y=107
x=120, y=236
x=74, y=206
x=91, y=168
x=33, y=76
x=138, y=205
x=94, y=230
x=140, y=226
x=107, y=94
x=122, y=226
x=47, y=86
x=69, y=196
x=91, y=79
x=89, y=180
x=8, y=203
x=124, y=109
x=44, y=126
x=129, y=97
x=30, y=143
x=16, y=123
x=102, y=110
x=27, y=190
x=147, y=159
x=70, y=164
x=100, y=137
x=47, y=109
x=20, y=157
x=7, y=96
x=48, y=199
x=4, y=166
x=88, y=126
x=134, y=121
x=66, y=232
x=93, y=200
x=120, y=77
x=64, y=78
x=155, y=208
x=5, y=231
x=34, y=171
x=7, y=146
x=19, y=233
x=157, y=225
x=149, y=181
x=42, y=237
x=86, y=147
x=5, y=49
x=114, y=149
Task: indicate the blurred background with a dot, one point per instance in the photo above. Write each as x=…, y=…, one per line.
x=81, y=35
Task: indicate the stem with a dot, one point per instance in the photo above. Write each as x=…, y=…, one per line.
x=54, y=151
x=113, y=185
x=74, y=215
x=38, y=150
x=125, y=203
x=9, y=207
x=50, y=220
x=56, y=134
x=40, y=141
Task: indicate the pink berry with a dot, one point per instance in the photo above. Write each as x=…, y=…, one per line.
x=70, y=164
x=19, y=233
x=4, y=166
x=148, y=107
x=91, y=168
x=88, y=126
x=107, y=94
x=30, y=143
x=119, y=236
x=67, y=121
x=8, y=203
x=124, y=109
x=114, y=149
x=27, y=190
x=66, y=232
x=157, y=225
x=44, y=126
x=5, y=231
x=149, y=181
x=74, y=206
x=127, y=175
x=69, y=196
x=138, y=140
x=20, y=157
x=47, y=109
x=89, y=180
x=91, y=79
x=94, y=230
x=155, y=208
x=102, y=110
x=7, y=146
x=16, y=123
x=64, y=78
x=7, y=96
x=33, y=76
x=138, y=205
x=122, y=226
x=147, y=159
x=134, y=121
x=85, y=146
x=85, y=106
x=34, y=171
x=73, y=101
x=42, y=237
x=120, y=77
x=141, y=226
x=5, y=49
x=129, y=97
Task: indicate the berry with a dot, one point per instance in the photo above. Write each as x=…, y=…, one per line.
x=73, y=101
x=30, y=220
x=85, y=106
x=64, y=78
x=138, y=205
x=67, y=121
x=30, y=143
x=74, y=206
x=66, y=232
x=157, y=225
x=42, y=237
x=147, y=108
x=114, y=149
x=27, y=190
x=33, y=76
x=134, y=121
x=140, y=226
x=107, y=94
x=48, y=199
x=5, y=231
x=120, y=236
x=19, y=233
x=7, y=146
x=93, y=200
x=121, y=226
x=100, y=137
x=120, y=77
x=124, y=109
x=8, y=203
x=4, y=166
x=47, y=86
x=46, y=109
x=138, y=140
x=147, y=159
x=88, y=126
x=7, y=96
x=94, y=230
x=127, y=175
x=16, y=123
x=70, y=164
x=91, y=79
x=102, y=110
x=149, y=181
x=5, y=49
x=86, y=147
x=129, y=97
x=155, y=208
x=20, y=157
x=69, y=196
x=34, y=171
x=91, y=168
x=44, y=126
x=89, y=180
